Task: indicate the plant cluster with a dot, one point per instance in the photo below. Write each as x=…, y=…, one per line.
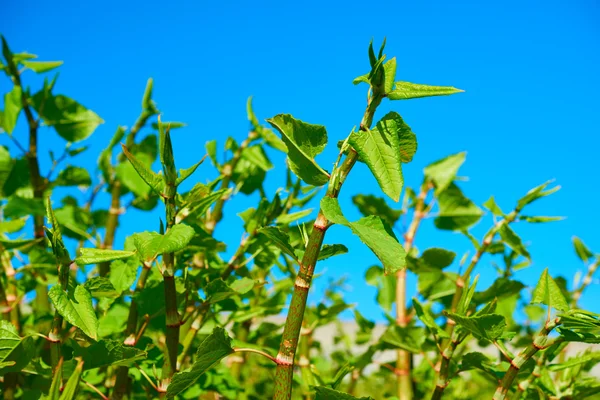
x=166, y=315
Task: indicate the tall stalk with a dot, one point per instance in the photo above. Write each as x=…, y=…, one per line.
x=404, y=357
x=293, y=323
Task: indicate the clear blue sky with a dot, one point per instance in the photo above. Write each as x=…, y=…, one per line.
x=530, y=71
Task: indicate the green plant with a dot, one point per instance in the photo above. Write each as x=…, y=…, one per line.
x=84, y=316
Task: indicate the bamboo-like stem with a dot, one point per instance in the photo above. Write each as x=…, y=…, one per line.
x=585, y=282
x=443, y=367
x=293, y=323
x=537, y=372
x=55, y=336
x=404, y=358
x=539, y=342
x=217, y=212
x=122, y=380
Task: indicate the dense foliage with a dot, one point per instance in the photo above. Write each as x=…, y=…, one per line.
x=165, y=314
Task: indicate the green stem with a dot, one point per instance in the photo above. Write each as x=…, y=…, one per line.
x=443, y=377
x=539, y=342
x=293, y=323
x=537, y=372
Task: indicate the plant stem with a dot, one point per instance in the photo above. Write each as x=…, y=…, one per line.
x=443, y=377
x=404, y=358
x=122, y=381
x=293, y=323
x=585, y=283
x=539, y=342
x=55, y=335
x=537, y=372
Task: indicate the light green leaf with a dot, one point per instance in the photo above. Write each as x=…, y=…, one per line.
x=155, y=181
x=286, y=219
x=331, y=250
x=280, y=239
x=491, y=205
x=214, y=348
x=373, y=232
x=73, y=176
x=70, y=389
x=268, y=135
x=456, y=212
x=104, y=160
x=428, y=319
x=489, y=327
x=548, y=292
x=592, y=357
x=582, y=251
x=41, y=66
x=71, y=120
x=185, y=173
x=256, y=156
x=123, y=274
x=151, y=244
x=512, y=240
x=406, y=90
x=15, y=352
x=6, y=166
x=325, y=393
x=443, y=172
x=379, y=148
x=77, y=310
x=12, y=108
x=100, y=286
x=409, y=338
x=389, y=69
x=96, y=256
x=540, y=219
x=304, y=142
x=536, y=193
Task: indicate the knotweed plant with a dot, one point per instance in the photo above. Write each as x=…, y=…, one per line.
x=166, y=314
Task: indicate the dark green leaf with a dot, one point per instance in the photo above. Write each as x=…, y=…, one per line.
x=489, y=327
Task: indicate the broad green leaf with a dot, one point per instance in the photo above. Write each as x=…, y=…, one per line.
x=304, y=142
x=15, y=352
x=12, y=226
x=212, y=350
x=389, y=69
x=325, y=393
x=155, y=181
x=512, y=240
x=73, y=176
x=409, y=338
x=330, y=250
x=428, y=319
x=373, y=205
x=151, y=244
x=489, y=327
x=70, y=390
x=77, y=310
x=41, y=66
x=502, y=287
x=456, y=212
x=379, y=148
x=286, y=219
x=582, y=251
x=443, y=172
x=536, y=193
x=96, y=256
x=123, y=273
x=256, y=155
x=280, y=239
x=548, y=292
x=437, y=258
x=71, y=120
x=406, y=90
x=373, y=232
x=107, y=352
x=476, y=360
x=18, y=207
x=13, y=104
x=99, y=286
x=491, y=205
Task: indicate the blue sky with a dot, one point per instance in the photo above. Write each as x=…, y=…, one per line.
x=530, y=71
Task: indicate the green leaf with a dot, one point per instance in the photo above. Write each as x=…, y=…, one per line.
x=256, y=155
x=104, y=160
x=443, y=172
x=437, y=258
x=325, y=393
x=212, y=350
x=73, y=176
x=536, y=193
x=502, y=287
x=593, y=357
x=96, y=256
x=268, y=135
x=512, y=240
x=456, y=212
x=15, y=352
x=186, y=173
x=488, y=327
x=389, y=69
x=41, y=66
x=77, y=310
x=155, y=181
x=410, y=338
x=406, y=90
x=428, y=319
x=71, y=120
x=540, y=219
x=373, y=205
x=70, y=389
x=151, y=244
x=373, y=232
x=304, y=142
x=123, y=274
x=548, y=292
x=99, y=286
x=582, y=251
x=280, y=239
x=54, y=392
x=286, y=219
x=331, y=250
x=107, y=352
x=12, y=108
x=491, y=205
x=6, y=167
x=379, y=148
